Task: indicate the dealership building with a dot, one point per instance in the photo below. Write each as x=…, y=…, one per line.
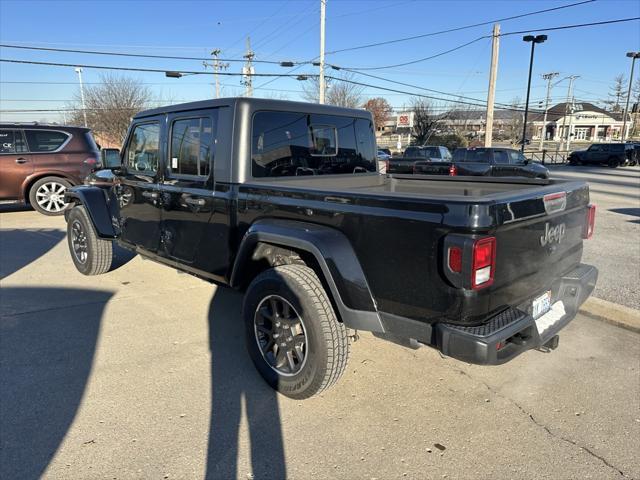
x=583, y=121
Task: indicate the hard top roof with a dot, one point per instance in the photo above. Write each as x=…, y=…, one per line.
x=256, y=104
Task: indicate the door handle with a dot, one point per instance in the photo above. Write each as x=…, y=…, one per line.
x=150, y=194
x=21, y=160
x=198, y=202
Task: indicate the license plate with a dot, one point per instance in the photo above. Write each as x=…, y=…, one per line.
x=549, y=319
x=541, y=305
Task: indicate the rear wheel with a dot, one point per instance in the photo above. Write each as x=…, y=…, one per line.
x=90, y=254
x=613, y=162
x=293, y=336
x=47, y=195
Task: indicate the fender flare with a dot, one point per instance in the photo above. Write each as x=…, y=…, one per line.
x=335, y=256
x=98, y=204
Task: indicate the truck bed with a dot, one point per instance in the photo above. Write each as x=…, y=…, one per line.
x=431, y=188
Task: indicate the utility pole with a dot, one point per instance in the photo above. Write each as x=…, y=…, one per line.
x=632, y=56
x=566, y=110
x=217, y=66
x=548, y=77
x=493, y=73
x=84, y=107
x=248, y=71
x=323, y=6
x=571, y=79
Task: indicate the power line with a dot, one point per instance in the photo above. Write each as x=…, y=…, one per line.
x=153, y=70
x=424, y=58
x=457, y=96
x=456, y=29
x=577, y=25
x=135, y=55
x=430, y=97
x=546, y=29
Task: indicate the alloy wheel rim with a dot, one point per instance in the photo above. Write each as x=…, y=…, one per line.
x=50, y=196
x=280, y=335
x=79, y=242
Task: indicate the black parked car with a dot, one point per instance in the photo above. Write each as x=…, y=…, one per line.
x=284, y=202
x=405, y=163
x=491, y=162
x=611, y=154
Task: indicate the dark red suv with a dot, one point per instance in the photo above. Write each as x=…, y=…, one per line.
x=39, y=162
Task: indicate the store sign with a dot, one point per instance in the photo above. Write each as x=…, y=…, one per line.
x=405, y=120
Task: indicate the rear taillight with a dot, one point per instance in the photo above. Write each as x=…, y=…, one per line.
x=386, y=166
x=453, y=170
x=92, y=162
x=590, y=224
x=455, y=259
x=484, y=262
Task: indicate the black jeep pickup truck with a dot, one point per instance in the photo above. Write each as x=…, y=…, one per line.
x=283, y=201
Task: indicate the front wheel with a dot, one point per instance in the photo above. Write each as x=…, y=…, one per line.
x=47, y=195
x=293, y=336
x=90, y=254
x=613, y=162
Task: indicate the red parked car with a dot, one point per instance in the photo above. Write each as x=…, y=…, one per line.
x=38, y=163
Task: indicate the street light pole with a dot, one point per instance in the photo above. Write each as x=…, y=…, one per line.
x=84, y=107
x=533, y=40
x=632, y=56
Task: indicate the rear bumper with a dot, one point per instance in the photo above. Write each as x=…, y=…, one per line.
x=504, y=336
x=514, y=330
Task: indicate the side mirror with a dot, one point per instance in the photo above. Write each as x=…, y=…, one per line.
x=111, y=158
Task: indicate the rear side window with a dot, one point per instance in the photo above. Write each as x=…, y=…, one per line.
x=192, y=141
x=478, y=156
x=500, y=156
x=45, y=140
x=11, y=141
x=143, y=149
x=290, y=144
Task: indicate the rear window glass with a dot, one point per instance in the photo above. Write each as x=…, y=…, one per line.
x=290, y=144
x=45, y=140
x=616, y=147
x=191, y=144
x=476, y=155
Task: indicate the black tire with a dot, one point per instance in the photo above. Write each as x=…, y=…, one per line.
x=326, y=349
x=46, y=196
x=90, y=254
x=613, y=162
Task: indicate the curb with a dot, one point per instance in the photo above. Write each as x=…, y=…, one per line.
x=609, y=312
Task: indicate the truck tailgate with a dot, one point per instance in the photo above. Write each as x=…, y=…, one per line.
x=540, y=240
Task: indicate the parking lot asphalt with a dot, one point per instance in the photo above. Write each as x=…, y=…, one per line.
x=142, y=373
x=615, y=247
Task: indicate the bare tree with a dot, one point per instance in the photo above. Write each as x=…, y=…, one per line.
x=339, y=92
x=110, y=106
x=617, y=93
x=380, y=110
x=425, y=120
x=517, y=120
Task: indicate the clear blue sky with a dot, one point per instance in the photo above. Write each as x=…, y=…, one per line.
x=289, y=30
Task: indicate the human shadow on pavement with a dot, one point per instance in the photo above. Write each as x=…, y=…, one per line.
x=46, y=355
x=18, y=247
x=234, y=382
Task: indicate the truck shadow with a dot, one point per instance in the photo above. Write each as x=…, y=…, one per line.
x=45, y=362
x=632, y=212
x=234, y=383
x=18, y=247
